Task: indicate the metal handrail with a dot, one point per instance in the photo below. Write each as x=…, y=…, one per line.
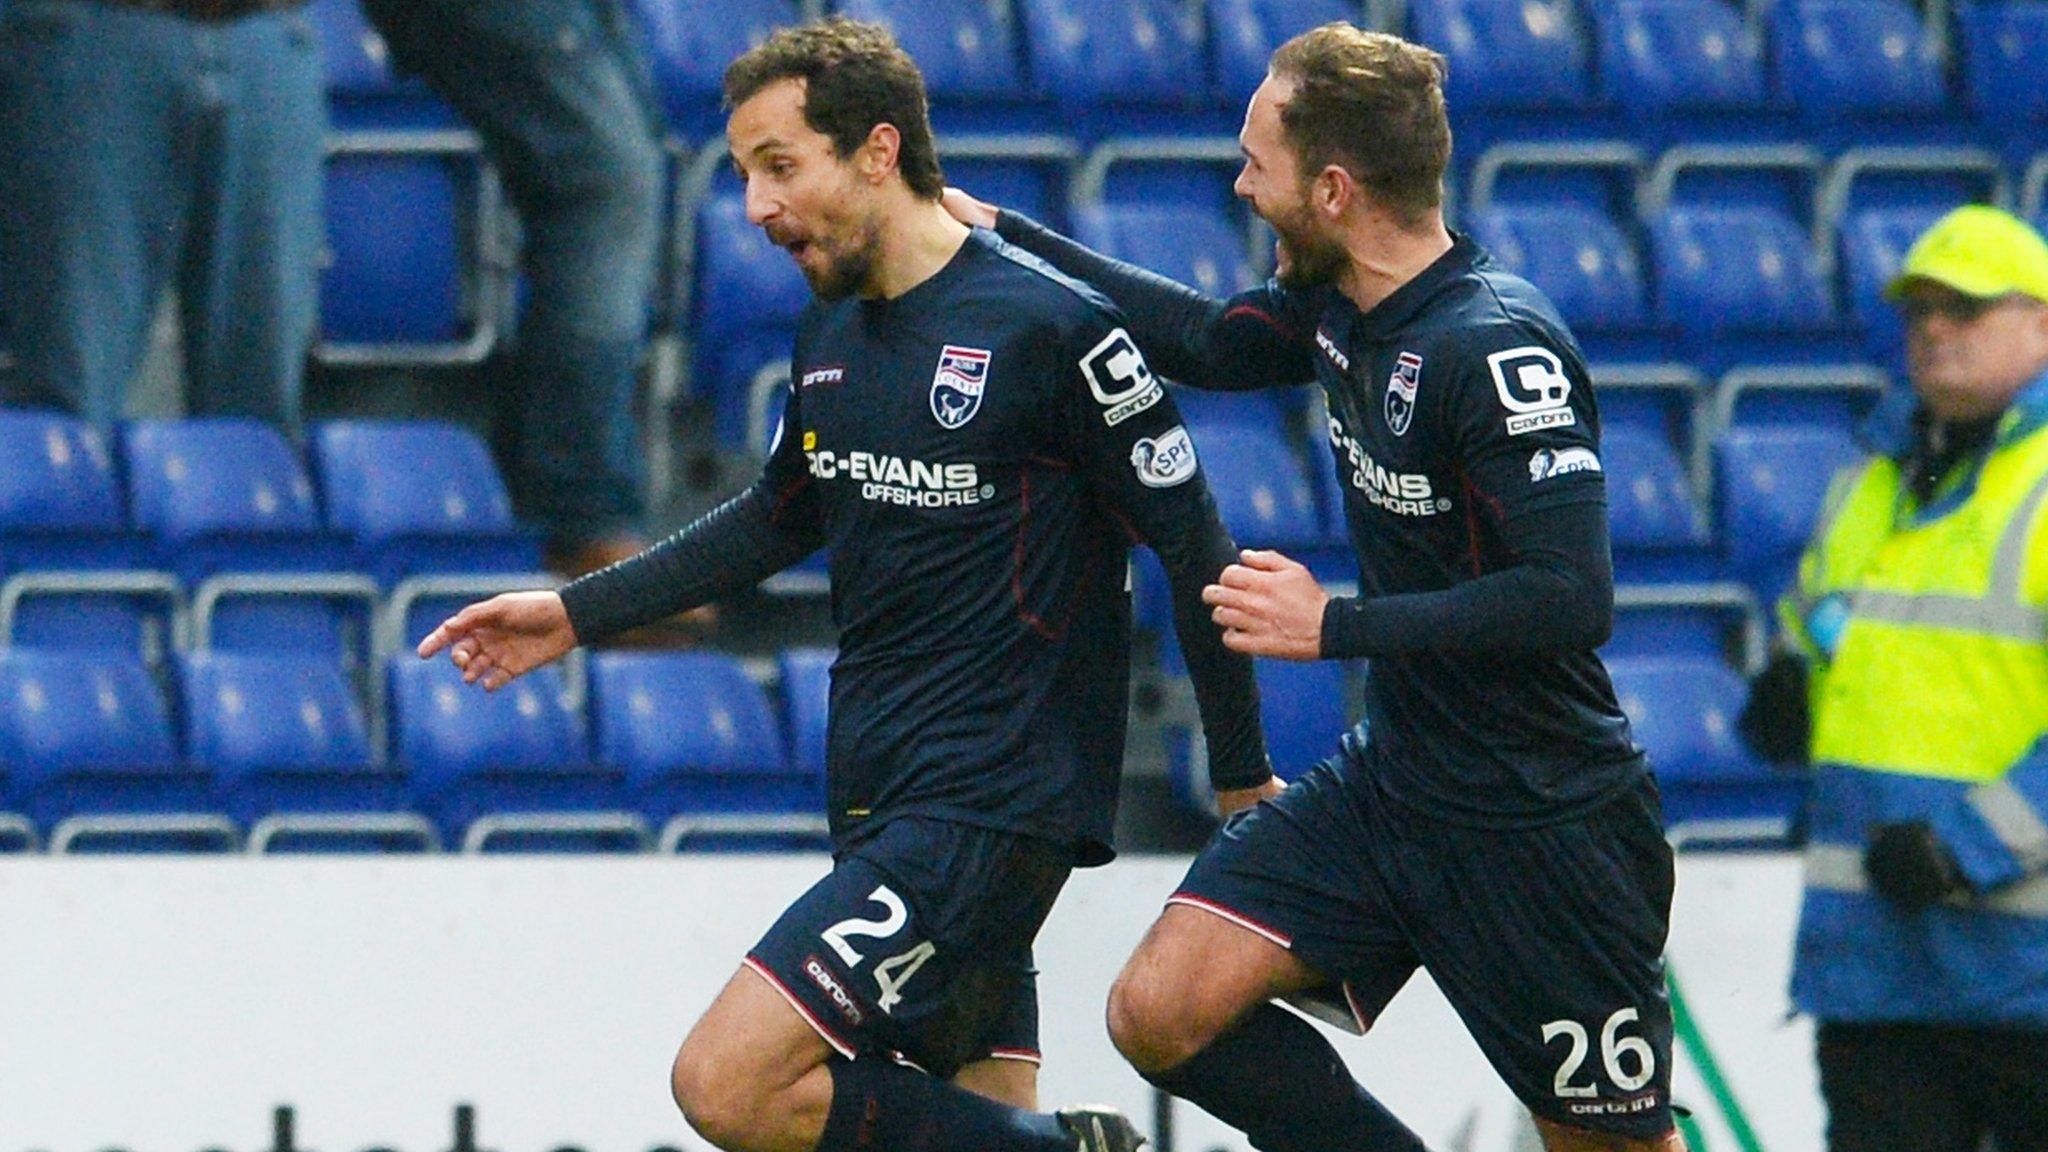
x=112, y=581
x=73, y=829
x=484, y=829
x=1715, y=594
x=340, y=824
x=714, y=825
x=1565, y=154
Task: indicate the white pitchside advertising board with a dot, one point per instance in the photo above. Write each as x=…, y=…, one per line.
x=175, y=1005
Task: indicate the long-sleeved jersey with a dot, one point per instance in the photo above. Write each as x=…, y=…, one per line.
x=978, y=453
x=1465, y=433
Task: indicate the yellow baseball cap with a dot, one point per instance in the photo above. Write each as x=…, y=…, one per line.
x=1978, y=251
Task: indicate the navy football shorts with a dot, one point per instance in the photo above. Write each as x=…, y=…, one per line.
x=918, y=944
x=1547, y=941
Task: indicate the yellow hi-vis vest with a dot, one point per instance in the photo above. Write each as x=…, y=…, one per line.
x=1941, y=669
x=1933, y=686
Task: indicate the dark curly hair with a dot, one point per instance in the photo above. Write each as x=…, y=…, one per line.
x=855, y=76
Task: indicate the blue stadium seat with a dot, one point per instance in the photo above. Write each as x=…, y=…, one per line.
x=1580, y=258
x=1850, y=65
x=806, y=705
x=1718, y=621
x=696, y=738
x=127, y=612
x=1507, y=54
x=967, y=49
x=1266, y=411
x=1116, y=52
x=1873, y=245
x=404, y=282
x=87, y=740
x=1683, y=710
x=1329, y=487
x=417, y=496
x=1031, y=180
x=1658, y=531
x=327, y=615
x=1771, y=481
x=1686, y=60
x=1836, y=397
x=223, y=493
x=60, y=500
x=691, y=41
x=1303, y=707
x=1741, y=283
x=1260, y=486
x=1199, y=248
x=1879, y=200
x=1244, y=33
x=746, y=300
x=1519, y=70
x=2004, y=55
x=1667, y=400
x=523, y=750
x=285, y=738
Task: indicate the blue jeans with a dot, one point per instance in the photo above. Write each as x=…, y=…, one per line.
x=561, y=93
x=139, y=150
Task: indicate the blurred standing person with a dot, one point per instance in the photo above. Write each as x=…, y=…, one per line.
x=1916, y=682
x=561, y=93
x=154, y=143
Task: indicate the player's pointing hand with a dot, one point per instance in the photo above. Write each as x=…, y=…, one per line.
x=498, y=640
x=1269, y=605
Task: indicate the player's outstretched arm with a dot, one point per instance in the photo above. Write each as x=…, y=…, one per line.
x=496, y=641
x=1256, y=339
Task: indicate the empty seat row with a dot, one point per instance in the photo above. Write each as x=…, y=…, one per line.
x=1721, y=254
x=200, y=496
x=1644, y=58
x=1841, y=68
x=280, y=745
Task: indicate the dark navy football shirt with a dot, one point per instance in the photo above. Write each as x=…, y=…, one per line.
x=978, y=454
x=1465, y=434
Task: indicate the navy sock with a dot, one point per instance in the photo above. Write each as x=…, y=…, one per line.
x=881, y=1106
x=1276, y=1079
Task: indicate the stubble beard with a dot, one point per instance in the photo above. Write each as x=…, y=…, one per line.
x=846, y=274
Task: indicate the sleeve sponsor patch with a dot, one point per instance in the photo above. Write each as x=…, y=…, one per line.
x=1119, y=378
x=1165, y=460
x=1532, y=386
x=1548, y=462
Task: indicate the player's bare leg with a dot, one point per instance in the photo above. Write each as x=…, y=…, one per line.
x=1013, y=1082
x=1194, y=976
x=751, y=1076
x=1560, y=1138
x=1190, y=1013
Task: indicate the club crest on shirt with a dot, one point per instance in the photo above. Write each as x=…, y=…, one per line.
x=958, y=384
x=1401, y=392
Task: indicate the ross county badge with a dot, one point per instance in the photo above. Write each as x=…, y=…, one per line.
x=1401, y=392
x=957, y=385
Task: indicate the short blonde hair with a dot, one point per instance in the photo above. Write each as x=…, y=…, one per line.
x=1374, y=104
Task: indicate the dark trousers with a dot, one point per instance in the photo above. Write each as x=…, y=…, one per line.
x=1934, y=1088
